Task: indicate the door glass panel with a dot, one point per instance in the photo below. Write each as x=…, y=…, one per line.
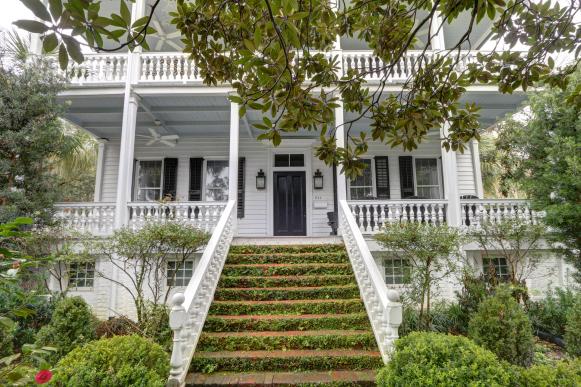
x=217, y=180
x=427, y=179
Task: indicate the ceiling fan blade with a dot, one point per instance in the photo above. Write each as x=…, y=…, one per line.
x=174, y=45
x=151, y=142
x=157, y=26
x=142, y=135
x=173, y=35
x=171, y=137
x=168, y=143
x=153, y=133
x=158, y=45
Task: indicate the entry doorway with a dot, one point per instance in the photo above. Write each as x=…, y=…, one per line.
x=290, y=204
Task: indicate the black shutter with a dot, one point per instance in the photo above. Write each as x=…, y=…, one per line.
x=170, y=178
x=196, y=165
x=382, y=177
x=406, y=176
x=241, y=181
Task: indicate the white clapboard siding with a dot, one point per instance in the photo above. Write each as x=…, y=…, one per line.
x=465, y=170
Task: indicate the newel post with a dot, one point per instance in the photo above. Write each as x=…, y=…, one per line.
x=394, y=314
x=177, y=319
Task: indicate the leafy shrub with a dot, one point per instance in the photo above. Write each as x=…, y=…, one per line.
x=7, y=331
x=562, y=373
x=434, y=359
x=573, y=329
x=501, y=325
x=550, y=313
x=116, y=326
x=72, y=324
x=444, y=318
x=474, y=291
x=118, y=361
x=156, y=325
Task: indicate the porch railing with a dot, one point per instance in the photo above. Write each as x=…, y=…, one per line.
x=94, y=218
x=382, y=305
x=204, y=215
x=165, y=67
x=474, y=212
x=372, y=216
x=189, y=309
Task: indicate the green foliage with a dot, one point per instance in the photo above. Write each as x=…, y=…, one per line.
x=550, y=313
x=156, y=325
x=116, y=326
x=324, y=292
x=573, y=328
x=501, y=326
x=267, y=50
x=299, y=307
x=288, y=258
x=433, y=359
x=290, y=270
x=542, y=154
x=444, y=318
x=72, y=325
x=31, y=136
x=474, y=291
x=286, y=249
x=432, y=252
x=563, y=373
x=280, y=281
x=118, y=361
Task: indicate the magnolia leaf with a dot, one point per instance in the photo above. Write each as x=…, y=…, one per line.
x=50, y=43
x=74, y=49
x=56, y=8
x=31, y=26
x=38, y=9
x=63, y=57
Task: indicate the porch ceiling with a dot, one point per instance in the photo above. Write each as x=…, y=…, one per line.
x=209, y=116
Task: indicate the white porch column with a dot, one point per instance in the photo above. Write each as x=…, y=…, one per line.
x=475, y=148
x=99, y=172
x=233, y=154
x=340, y=140
x=450, y=182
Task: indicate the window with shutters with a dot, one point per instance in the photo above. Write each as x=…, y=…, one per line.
x=361, y=188
x=427, y=178
x=216, y=180
x=148, y=180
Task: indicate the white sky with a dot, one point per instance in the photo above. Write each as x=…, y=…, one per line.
x=12, y=10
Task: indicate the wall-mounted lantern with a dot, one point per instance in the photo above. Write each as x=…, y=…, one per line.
x=318, y=180
x=260, y=180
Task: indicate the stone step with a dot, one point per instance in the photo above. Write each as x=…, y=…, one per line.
x=286, y=322
x=291, y=360
x=263, y=249
x=287, y=269
x=284, y=280
x=287, y=307
x=345, y=378
x=331, y=257
x=287, y=293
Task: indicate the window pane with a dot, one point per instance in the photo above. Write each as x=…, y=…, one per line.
x=217, y=180
x=429, y=192
x=148, y=195
x=150, y=174
x=181, y=276
x=81, y=274
x=281, y=160
x=297, y=160
x=362, y=186
x=496, y=266
x=427, y=181
x=397, y=271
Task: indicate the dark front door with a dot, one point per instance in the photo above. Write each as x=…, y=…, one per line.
x=290, y=210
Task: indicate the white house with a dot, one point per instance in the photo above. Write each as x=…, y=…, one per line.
x=164, y=134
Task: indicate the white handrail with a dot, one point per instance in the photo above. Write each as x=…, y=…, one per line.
x=382, y=304
x=189, y=309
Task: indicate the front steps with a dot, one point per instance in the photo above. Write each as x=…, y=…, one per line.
x=286, y=315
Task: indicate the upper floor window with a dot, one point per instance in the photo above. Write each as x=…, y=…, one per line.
x=289, y=160
x=361, y=187
x=149, y=177
x=427, y=179
x=179, y=273
x=217, y=180
x=496, y=266
x=81, y=274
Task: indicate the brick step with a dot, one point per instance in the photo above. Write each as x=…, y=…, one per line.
x=331, y=257
x=286, y=322
x=284, y=280
x=292, y=360
x=264, y=249
x=287, y=293
x=286, y=307
x=315, y=339
x=325, y=378
x=287, y=269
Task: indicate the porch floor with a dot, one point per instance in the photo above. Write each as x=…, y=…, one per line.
x=286, y=240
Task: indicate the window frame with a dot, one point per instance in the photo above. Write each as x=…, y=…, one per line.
x=405, y=269
x=205, y=175
x=72, y=281
x=136, y=178
x=373, y=182
x=439, y=174
x=183, y=281
x=499, y=274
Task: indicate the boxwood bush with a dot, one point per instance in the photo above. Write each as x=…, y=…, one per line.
x=562, y=373
x=573, y=329
x=72, y=324
x=435, y=359
x=118, y=361
x=501, y=325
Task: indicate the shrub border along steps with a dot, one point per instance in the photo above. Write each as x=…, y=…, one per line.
x=286, y=308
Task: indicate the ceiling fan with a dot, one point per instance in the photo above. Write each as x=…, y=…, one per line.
x=154, y=137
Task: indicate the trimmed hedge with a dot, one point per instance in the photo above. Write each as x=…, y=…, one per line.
x=332, y=257
x=281, y=281
x=272, y=294
x=258, y=249
x=233, y=308
x=501, y=326
x=434, y=359
x=573, y=329
x=288, y=270
x=563, y=373
x=118, y=361
x=347, y=321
